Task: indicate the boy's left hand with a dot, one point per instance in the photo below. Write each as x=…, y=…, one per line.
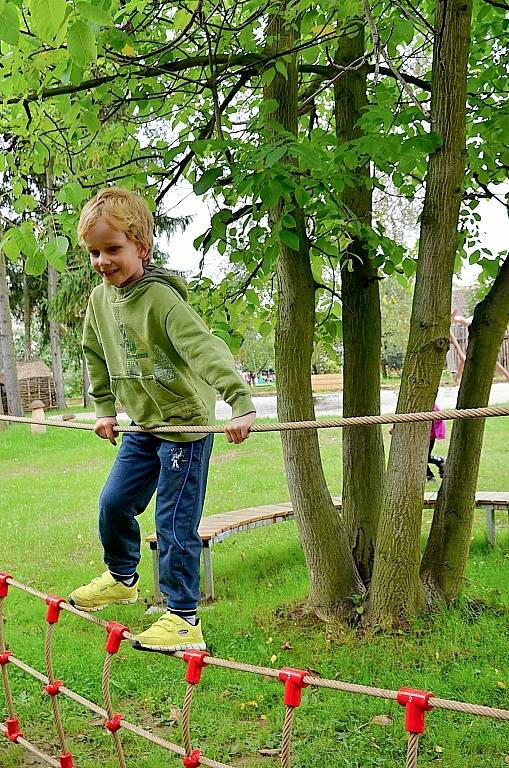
x=237, y=430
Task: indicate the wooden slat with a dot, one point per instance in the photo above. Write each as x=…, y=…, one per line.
x=215, y=525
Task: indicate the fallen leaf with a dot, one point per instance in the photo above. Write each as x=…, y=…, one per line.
x=438, y=749
x=286, y=646
x=382, y=720
x=501, y=684
x=273, y=658
x=269, y=752
x=506, y=759
x=245, y=704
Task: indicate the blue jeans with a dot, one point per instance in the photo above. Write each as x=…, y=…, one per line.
x=178, y=472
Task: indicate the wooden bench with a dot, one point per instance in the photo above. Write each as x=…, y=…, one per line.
x=216, y=528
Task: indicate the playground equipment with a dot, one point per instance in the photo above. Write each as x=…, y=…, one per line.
x=416, y=702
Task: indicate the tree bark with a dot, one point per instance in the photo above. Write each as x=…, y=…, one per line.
x=14, y=405
x=363, y=451
x=445, y=558
x=27, y=318
x=396, y=590
x=332, y=573
x=54, y=328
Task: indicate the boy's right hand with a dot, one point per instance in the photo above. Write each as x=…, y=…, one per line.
x=104, y=428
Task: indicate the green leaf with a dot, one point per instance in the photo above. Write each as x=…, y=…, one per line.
x=268, y=75
x=91, y=121
x=403, y=31
x=181, y=19
x=47, y=16
x=267, y=106
x=81, y=44
x=9, y=244
x=207, y=180
x=55, y=251
x=275, y=156
x=95, y=14
x=9, y=24
x=291, y=239
x=35, y=264
x=281, y=68
x=288, y=221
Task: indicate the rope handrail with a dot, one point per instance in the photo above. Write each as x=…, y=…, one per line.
x=447, y=414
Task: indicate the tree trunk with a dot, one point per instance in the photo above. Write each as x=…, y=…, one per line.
x=396, y=590
x=27, y=318
x=54, y=329
x=332, y=573
x=445, y=557
x=14, y=405
x=363, y=451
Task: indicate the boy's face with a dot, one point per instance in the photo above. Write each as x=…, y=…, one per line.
x=117, y=258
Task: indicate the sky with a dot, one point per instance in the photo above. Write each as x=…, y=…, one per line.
x=494, y=228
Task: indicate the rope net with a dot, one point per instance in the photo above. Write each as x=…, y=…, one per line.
x=416, y=702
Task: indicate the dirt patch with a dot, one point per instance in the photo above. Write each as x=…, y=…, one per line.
x=230, y=456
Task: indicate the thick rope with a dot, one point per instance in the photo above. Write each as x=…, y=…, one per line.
x=186, y=718
x=109, y=708
x=286, y=741
x=5, y=674
x=412, y=749
x=290, y=426
x=131, y=727
x=31, y=748
x=51, y=679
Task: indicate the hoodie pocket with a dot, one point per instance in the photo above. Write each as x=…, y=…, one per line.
x=149, y=402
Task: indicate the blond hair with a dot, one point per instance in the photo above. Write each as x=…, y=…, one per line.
x=124, y=210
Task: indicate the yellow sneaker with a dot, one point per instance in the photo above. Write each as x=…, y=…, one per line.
x=170, y=633
x=102, y=591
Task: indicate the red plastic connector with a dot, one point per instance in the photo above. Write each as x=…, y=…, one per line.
x=195, y=662
x=66, y=760
x=5, y=658
x=53, y=689
x=115, y=723
x=115, y=636
x=13, y=731
x=54, y=607
x=4, y=587
x=294, y=683
x=192, y=760
x=416, y=705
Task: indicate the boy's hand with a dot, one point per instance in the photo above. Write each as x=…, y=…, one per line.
x=104, y=428
x=237, y=430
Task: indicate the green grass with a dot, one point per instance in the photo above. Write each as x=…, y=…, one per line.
x=49, y=486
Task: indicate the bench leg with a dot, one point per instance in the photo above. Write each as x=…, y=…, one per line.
x=207, y=569
x=490, y=525
x=158, y=595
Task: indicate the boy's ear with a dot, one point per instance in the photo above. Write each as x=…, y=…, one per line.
x=142, y=251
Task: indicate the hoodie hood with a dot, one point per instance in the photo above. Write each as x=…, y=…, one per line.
x=152, y=275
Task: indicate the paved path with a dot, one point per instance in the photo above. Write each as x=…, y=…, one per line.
x=333, y=404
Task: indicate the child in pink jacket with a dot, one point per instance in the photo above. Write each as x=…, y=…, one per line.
x=437, y=432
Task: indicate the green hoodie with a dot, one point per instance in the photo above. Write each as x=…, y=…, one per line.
x=146, y=347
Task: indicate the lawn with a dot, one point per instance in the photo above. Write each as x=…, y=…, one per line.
x=49, y=486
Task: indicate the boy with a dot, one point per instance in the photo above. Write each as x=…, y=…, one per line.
x=145, y=346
